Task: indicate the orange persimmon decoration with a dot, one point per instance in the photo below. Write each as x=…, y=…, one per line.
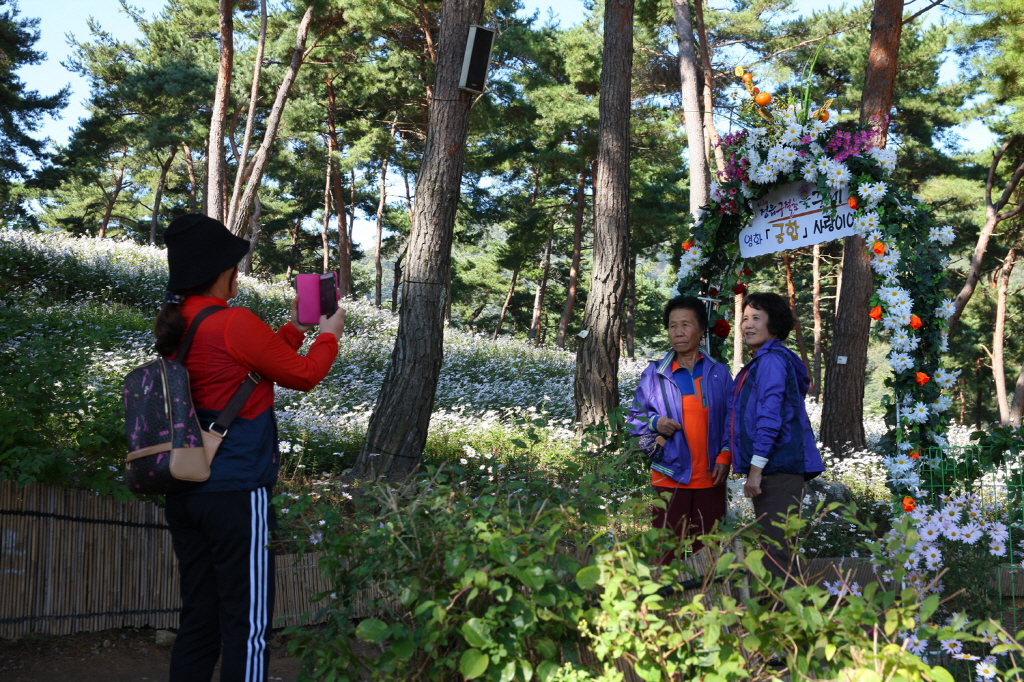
x=687, y=245
x=914, y=454
x=879, y=248
x=922, y=378
x=909, y=504
x=763, y=99
x=852, y=202
x=876, y=313
x=915, y=322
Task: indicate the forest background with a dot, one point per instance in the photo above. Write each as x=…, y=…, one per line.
x=341, y=176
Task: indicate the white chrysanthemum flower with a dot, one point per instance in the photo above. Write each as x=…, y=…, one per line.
x=997, y=548
x=944, y=342
x=810, y=173
x=942, y=404
x=900, y=362
x=951, y=646
x=837, y=175
x=943, y=235
x=945, y=309
x=919, y=413
x=930, y=532
x=815, y=148
x=885, y=158
x=998, y=531
x=986, y=670
x=894, y=321
x=872, y=193
x=945, y=378
x=793, y=132
x=971, y=533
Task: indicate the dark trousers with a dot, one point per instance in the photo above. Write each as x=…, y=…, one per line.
x=227, y=585
x=689, y=512
x=779, y=494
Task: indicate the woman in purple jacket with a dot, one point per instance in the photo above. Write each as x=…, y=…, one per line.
x=770, y=435
x=681, y=401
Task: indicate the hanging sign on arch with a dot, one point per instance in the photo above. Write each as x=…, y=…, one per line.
x=794, y=215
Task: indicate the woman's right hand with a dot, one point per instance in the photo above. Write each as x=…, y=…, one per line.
x=335, y=324
x=668, y=427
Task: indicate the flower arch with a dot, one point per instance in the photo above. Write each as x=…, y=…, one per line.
x=789, y=142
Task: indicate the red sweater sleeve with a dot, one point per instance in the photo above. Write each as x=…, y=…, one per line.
x=273, y=355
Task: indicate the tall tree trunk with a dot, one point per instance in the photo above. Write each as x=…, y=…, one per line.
x=596, y=385
x=159, y=194
x=842, y=418
x=262, y=156
x=630, y=330
x=998, y=334
x=538, y=300
x=326, y=223
x=397, y=431
x=994, y=215
x=574, y=267
x=711, y=136
x=738, y=345
x=243, y=159
x=508, y=301
x=700, y=176
x=193, y=206
x=378, y=269
x=294, y=251
x=815, y=391
x=253, y=234
x=796, y=316
x=1017, y=406
x=344, y=242
x=216, y=164
x=396, y=282
x=111, y=199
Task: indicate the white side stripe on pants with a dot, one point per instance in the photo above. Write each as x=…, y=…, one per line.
x=254, y=669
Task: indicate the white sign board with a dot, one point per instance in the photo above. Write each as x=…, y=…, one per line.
x=793, y=216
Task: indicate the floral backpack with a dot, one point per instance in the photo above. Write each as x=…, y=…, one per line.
x=168, y=450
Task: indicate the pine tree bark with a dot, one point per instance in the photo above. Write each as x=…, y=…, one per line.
x=998, y=334
x=344, y=243
x=994, y=215
x=508, y=301
x=538, y=300
x=193, y=205
x=596, y=383
x=262, y=156
x=842, y=418
x=243, y=159
x=397, y=432
x=326, y=223
x=574, y=267
x=377, y=265
x=796, y=317
x=159, y=194
x=700, y=175
x=711, y=132
x=216, y=164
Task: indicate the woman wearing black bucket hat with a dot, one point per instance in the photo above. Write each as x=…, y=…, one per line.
x=221, y=528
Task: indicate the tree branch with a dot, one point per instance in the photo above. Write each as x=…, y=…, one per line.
x=922, y=11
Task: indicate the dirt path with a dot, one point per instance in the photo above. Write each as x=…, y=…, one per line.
x=113, y=656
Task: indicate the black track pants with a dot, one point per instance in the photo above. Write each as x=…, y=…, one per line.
x=227, y=584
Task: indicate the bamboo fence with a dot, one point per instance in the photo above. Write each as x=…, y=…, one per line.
x=75, y=561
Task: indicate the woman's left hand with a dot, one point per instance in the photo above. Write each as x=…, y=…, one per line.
x=295, y=317
x=720, y=474
x=752, y=488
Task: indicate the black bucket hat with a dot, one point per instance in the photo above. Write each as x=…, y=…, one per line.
x=198, y=249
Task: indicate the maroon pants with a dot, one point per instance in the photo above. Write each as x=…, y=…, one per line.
x=689, y=512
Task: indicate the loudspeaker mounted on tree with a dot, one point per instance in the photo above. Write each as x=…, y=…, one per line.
x=476, y=59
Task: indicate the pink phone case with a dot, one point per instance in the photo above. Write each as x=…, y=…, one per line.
x=308, y=289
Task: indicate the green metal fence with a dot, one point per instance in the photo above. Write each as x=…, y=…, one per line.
x=992, y=586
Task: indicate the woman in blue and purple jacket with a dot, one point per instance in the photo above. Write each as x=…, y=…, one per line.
x=682, y=400
x=770, y=435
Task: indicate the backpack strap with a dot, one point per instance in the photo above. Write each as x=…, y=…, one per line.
x=242, y=393
x=186, y=343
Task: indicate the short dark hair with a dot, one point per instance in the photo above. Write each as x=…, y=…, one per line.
x=688, y=303
x=780, y=315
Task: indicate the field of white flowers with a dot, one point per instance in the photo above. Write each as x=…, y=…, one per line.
x=95, y=299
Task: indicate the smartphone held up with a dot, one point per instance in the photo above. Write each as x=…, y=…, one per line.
x=318, y=295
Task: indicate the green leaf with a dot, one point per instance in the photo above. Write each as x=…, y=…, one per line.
x=546, y=669
x=473, y=663
x=527, y=669
x=547, y=649
x=508, y=673
x=372, y=630
x=648, y=671
x=476, y=632
x=940, y=674
x=830, y=651
x=587, y=577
